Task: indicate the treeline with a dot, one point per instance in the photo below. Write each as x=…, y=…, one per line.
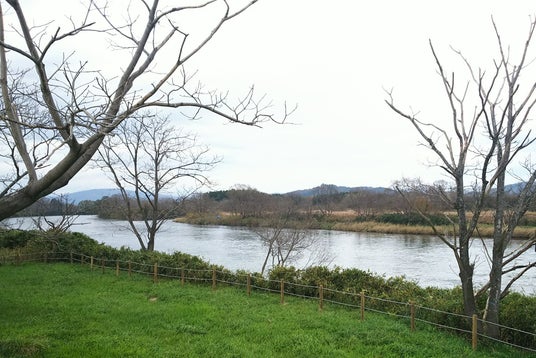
x=375, y=204
x=241, y=201
x=109, y=207
x=245, y=203
x=325, y=200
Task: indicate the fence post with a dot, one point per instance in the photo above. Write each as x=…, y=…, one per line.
x=282, y=292
x=129, y=268
x=362, y=305
x=155, y=272
x=249, y=285
x=321, y=297
x=412, y=315
x=182, y=277
x=213, y=279
x=475, y=331
x=71, y=256
x=117, y=267
x=91, y=263
x=102, y=264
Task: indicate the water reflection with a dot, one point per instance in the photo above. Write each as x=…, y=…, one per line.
x=424, y=259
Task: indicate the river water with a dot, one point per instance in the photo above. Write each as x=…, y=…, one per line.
x=424, y=259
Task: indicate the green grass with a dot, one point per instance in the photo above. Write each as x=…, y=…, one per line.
x=62, y=310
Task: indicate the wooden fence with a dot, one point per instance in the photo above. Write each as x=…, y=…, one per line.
x=358, y=299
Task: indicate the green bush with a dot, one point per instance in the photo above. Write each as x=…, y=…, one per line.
x=412, y=219
x=12, y=239
x=519, y=311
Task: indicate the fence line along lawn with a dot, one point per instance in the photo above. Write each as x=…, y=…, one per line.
x=62, y=310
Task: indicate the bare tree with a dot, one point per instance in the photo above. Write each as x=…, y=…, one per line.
x=248, y=202
x=479, y=154
x=368, y=203
x=58, y=108
x=325, y=198
x=150, y=158
x=285, y=245
x=66, y=215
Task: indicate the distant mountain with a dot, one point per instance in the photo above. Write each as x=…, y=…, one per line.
x=514, y=188
x=93, y=194
x=331, y=189
x=97, y=194
x=334, y=189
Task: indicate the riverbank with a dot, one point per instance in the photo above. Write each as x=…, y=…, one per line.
x=421, y=258
x=346, y=222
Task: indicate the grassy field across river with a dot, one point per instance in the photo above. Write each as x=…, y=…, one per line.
x=63, y=310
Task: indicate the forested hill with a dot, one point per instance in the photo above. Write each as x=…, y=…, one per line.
x=323, y=189
x=328, y=189
x=91, y=195
x=97, y=194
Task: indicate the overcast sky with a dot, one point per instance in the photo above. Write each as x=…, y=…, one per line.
x=334, y=59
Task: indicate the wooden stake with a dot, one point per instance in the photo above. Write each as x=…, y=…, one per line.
x=321, y=297
x=282, y=292
x=213, y=279
x=475, y=331
x=102, y=263
x=182, y=277
x=362, y=305
x=155, y=273
x=412, y=315
x=91, y=263
x=116, y=267
x=249, y=285
x=129, y=269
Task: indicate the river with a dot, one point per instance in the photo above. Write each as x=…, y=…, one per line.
x=424, y=259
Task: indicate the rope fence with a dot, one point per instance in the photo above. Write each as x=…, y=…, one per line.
x=354, y=300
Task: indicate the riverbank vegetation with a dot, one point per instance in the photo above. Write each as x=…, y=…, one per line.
x=519, y=310
x=388, y=223
x=96, y=315
x=360, y=210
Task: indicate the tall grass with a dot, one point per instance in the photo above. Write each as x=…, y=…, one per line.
x=62, y=310
x=352, y=222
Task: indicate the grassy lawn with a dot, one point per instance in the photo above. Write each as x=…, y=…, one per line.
x=62, y=310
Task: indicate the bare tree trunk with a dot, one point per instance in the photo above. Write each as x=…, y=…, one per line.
x=495, y=277
x=150, y=243
x=494, y=297
x=268, y=254
x=466, y=277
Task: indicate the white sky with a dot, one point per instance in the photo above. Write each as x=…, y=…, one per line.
x=334, y=59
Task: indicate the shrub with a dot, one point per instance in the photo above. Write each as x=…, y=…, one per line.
x=412, y=219
x=12, y=239
x=519, y=311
